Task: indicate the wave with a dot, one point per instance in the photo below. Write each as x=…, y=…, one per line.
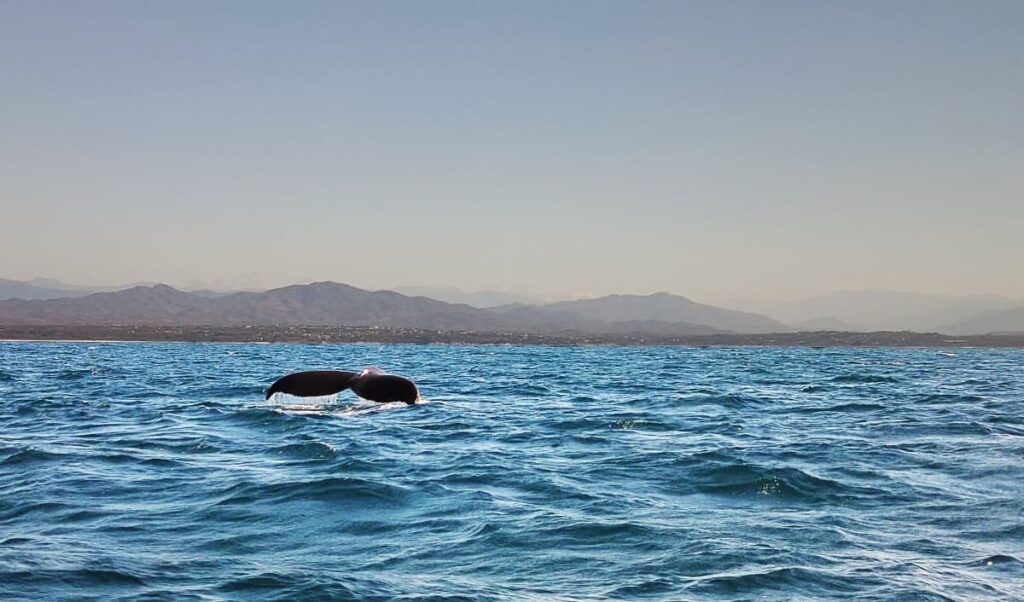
x=76, y=374
x=29, y=455
x=740, y=479
x=997, y=560
x=727, y=400
x=864, y=379
x=277, y=585
x=340, y=490
x=591, y=533
x=949, y=398
x=790, y=579
x=269, y=580
x=643, y=424
x=844, y=408
x=815, y=389
x=309, y=450
x=73, y=577
x=35, y=509
x=170, y=444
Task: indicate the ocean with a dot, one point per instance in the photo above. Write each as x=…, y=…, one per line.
x=158, y=472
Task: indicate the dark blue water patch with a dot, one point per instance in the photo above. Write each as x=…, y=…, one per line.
x=157, y=471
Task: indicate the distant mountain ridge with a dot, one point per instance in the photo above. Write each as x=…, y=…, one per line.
x=1005, y=321
x=15, y=289
x=313, y=304
x=49, y=302
x=48, y=288
x=872, y=310
x=482, y=299
x=665, y=307
x=331, y=303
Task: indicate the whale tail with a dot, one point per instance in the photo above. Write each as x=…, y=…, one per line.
x=385, y=388
x=316, y=383
x=371, y=384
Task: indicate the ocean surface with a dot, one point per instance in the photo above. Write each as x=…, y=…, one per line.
x=158, y=472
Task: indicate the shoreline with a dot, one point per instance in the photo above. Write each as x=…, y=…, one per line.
x=251, y=334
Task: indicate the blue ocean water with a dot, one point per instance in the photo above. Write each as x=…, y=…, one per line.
x=157, y=471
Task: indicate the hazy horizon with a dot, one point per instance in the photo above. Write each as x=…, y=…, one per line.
x=713, y=150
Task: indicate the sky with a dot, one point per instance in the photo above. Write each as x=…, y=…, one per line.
x=717, y=149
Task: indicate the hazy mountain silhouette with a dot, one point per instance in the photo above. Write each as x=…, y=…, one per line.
x=142, y=305
x=49, y=288
x=51, y=302
x=992, y=321
x=879, y=309
x=665, y=307
x=318, y=304
x=550, y=319
x=331, y=303
x=323, y=303
x=482, y=299
x=15, y=289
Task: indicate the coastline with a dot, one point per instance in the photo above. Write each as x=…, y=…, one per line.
x=373, y=335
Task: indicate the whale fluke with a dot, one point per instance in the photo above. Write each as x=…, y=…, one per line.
x=369, y=384
x=315, y=383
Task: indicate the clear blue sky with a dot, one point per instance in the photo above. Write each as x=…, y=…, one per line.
x=713, y=149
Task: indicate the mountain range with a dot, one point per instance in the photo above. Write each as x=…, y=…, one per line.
x=50, y=302
x=48, y=288
x=483, y=299
x=39, y=288
x=330, y=304
x=874, y=310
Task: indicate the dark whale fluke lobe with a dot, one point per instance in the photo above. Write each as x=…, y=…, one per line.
x=315, y=383
x=369, y=384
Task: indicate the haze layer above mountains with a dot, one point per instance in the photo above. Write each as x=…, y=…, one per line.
x=50, y=302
